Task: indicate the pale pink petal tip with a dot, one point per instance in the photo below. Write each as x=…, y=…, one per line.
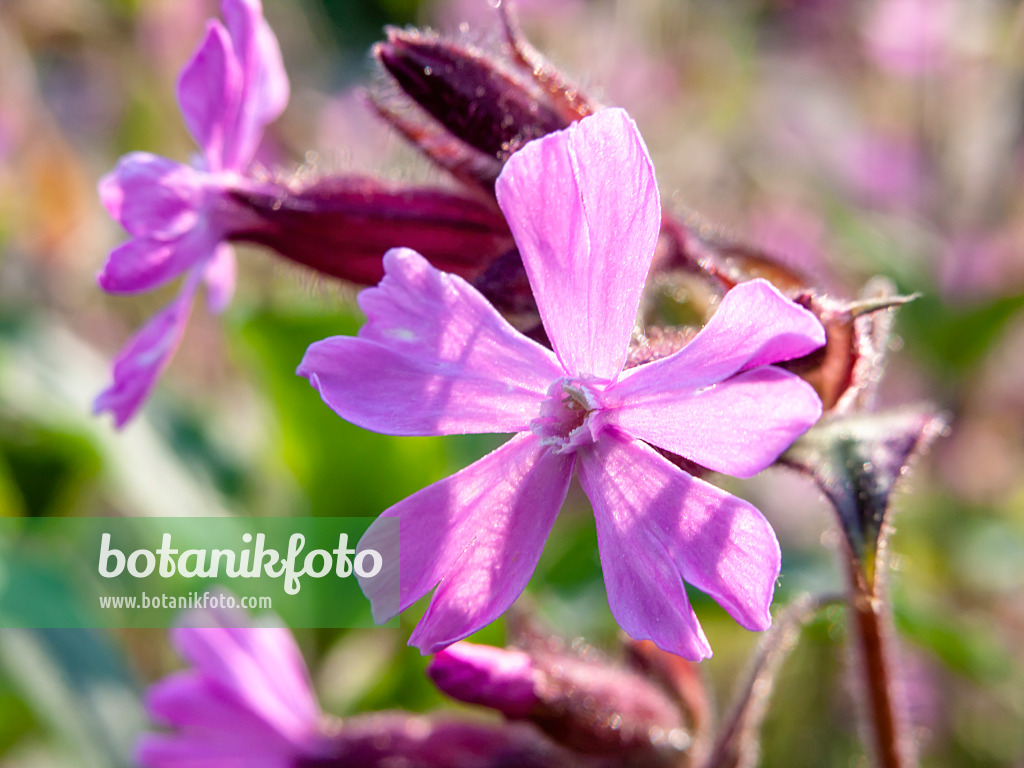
x=209, y=93
x=583, y=206
x=140, y=363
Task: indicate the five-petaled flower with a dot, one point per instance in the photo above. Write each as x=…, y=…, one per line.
x=435, y=358
x=178, y=215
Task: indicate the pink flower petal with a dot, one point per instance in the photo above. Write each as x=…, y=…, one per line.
x=583, y=207
x=686, y=403
x=209, y=90
x=144, y=263
x=754, y=325
x=260, y=666
x=145, y=356
x=479, y=533
x=658, y=526
x=433, y=358
x=739, y=426
x=264, y=89
x=190, y=699
x=151, y=196
x=219, y=276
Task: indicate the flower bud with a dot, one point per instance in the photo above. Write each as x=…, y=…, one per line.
x=483, y=107
x=584, y=701
x=342, y=225
x=401, y=739
x=468, y=92
x=499, y=678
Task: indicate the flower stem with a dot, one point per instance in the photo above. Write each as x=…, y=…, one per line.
x=872, y=626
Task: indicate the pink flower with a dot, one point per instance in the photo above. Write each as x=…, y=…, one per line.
x=435, y=358
x=178, y=215
x=910, y=37
x=246, y=701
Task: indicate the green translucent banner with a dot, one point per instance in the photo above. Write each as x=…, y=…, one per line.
x=74, y=572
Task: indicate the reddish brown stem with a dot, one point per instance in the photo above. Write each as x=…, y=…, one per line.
x=872, y=628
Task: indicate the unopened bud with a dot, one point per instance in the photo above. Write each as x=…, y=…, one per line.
x=468, y=92
x=481, y=107
x=342, y=225
x=499, y=678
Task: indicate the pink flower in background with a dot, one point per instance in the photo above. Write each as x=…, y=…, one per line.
x=480, y=13
x=245, y=701
x=910, y=37
x=435, y=358
x=178, y=215
x=887, y=172
x=975, y=266
x=792, y=234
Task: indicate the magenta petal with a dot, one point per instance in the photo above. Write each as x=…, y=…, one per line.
x=754, y=325
x=190, y=699
x=144, y=263
x=209, y=90
x=658, y=526
x=479, y=533
x=433, y=358
x=220, y=277
x=262, y=667
x=151, y=196
x=271, y=88
x=738, y=427
x=583, y=207
x=264, y=90
x=145, y=356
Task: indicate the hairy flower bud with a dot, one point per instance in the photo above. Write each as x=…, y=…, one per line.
x=468, y=92
x=342, y=225
x=481, y=107
x=583, y=701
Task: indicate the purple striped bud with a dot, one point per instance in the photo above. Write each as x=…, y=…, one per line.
x=342, y=225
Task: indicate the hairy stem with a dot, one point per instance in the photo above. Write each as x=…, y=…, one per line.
x=872, y=628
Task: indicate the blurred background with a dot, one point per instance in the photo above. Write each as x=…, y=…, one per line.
x=853, y=137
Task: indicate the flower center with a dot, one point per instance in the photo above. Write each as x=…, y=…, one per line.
x=565, y=420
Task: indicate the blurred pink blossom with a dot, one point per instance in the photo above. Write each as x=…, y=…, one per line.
x=792, y=234
x=885, y=171
x=246, y=700
x=451, y=14
x=910, y=37
x=978, y=266
x=179, y=215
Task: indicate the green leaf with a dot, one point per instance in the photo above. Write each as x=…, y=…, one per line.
x=955, y=339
